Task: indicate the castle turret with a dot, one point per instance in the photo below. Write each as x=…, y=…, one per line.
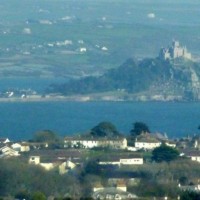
x=174, y=51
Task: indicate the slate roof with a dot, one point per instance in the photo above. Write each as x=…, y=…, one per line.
x=191, y=153
x=57, y=155
x=2, y=140
x=93, y=138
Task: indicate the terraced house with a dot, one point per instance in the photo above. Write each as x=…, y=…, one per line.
x=116, y=143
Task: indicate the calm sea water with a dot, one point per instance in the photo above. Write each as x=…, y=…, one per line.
x=21, y=120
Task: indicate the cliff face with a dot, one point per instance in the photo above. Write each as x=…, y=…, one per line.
x=180, y=80
x=149, y=79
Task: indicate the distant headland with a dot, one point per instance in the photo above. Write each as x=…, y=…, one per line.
x=171, y=76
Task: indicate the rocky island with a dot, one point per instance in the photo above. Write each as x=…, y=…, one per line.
x=172, y=76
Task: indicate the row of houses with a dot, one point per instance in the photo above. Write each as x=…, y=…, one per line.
x=89, y=142
x=120, y=160
x=63, y=160
x=66, y=159
x=145, y=141
x=117, y=192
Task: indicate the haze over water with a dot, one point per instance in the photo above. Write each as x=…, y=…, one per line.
x=19, y=121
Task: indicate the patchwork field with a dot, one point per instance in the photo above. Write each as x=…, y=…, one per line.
x=79, y=38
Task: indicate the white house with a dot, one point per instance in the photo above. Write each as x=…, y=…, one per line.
x=4, y=140
x=117, y=192
x=170, y=144
x=63, y=166
x=193, y=155
x=21, y=147
x=195, y=188
x=66, y=166
x=147, y=143
x=61, y=159
x=34, y=160
x=122, y=160
x=131, y=161
x=116, y=143
x=6, y=151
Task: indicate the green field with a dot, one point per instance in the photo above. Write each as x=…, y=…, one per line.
x=50, y=33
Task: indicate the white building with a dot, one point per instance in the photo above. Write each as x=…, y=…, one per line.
x=21, y=147
x=6, y=151
x=63, y=166
x=170, y=144
x=116, y=143
x=122, y=160
x=146, y=144
x=175, y=51
x=4, y=140
x=131, y=161
x=195, y=188
x=193, y=155
x=118, y=192
x=63, y=160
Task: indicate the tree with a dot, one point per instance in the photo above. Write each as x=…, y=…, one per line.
x=23, y=195
x=190, y=195
x=45, y=136
x=183, y=180
x=139, y=128
x=164, y=153
x=104, y=129
x=38, y=196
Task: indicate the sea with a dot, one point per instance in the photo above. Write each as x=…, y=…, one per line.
x=21, y=120
x=159, y=22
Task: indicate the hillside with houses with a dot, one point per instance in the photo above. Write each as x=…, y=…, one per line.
x=101, y=163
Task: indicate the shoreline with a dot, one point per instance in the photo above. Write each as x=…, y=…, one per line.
x=82, y=99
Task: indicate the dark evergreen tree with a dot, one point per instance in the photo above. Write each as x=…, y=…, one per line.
x=105, y=129
x=164, y=153
x=190, y=195
x=45, y=136
x=138, y=128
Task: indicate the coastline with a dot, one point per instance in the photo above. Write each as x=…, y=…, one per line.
x=84, y=99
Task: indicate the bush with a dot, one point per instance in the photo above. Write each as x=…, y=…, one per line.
x=38, y=196
x=164, y=153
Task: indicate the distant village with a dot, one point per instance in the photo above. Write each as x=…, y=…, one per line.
x=69, y=154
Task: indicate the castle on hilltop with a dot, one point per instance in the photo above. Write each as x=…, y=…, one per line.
x=174, y=51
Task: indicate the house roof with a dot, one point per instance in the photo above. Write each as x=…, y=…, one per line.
x=147, y=138
x=57, y=152
x=191, y=153
x=6, y=151
x=80, y=138
x=57, y=155
x=2, y=140
x=160, y=136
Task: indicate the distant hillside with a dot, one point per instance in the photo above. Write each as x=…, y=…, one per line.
x=149, y=79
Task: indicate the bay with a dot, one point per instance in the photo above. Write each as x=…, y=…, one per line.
x=20, y=120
